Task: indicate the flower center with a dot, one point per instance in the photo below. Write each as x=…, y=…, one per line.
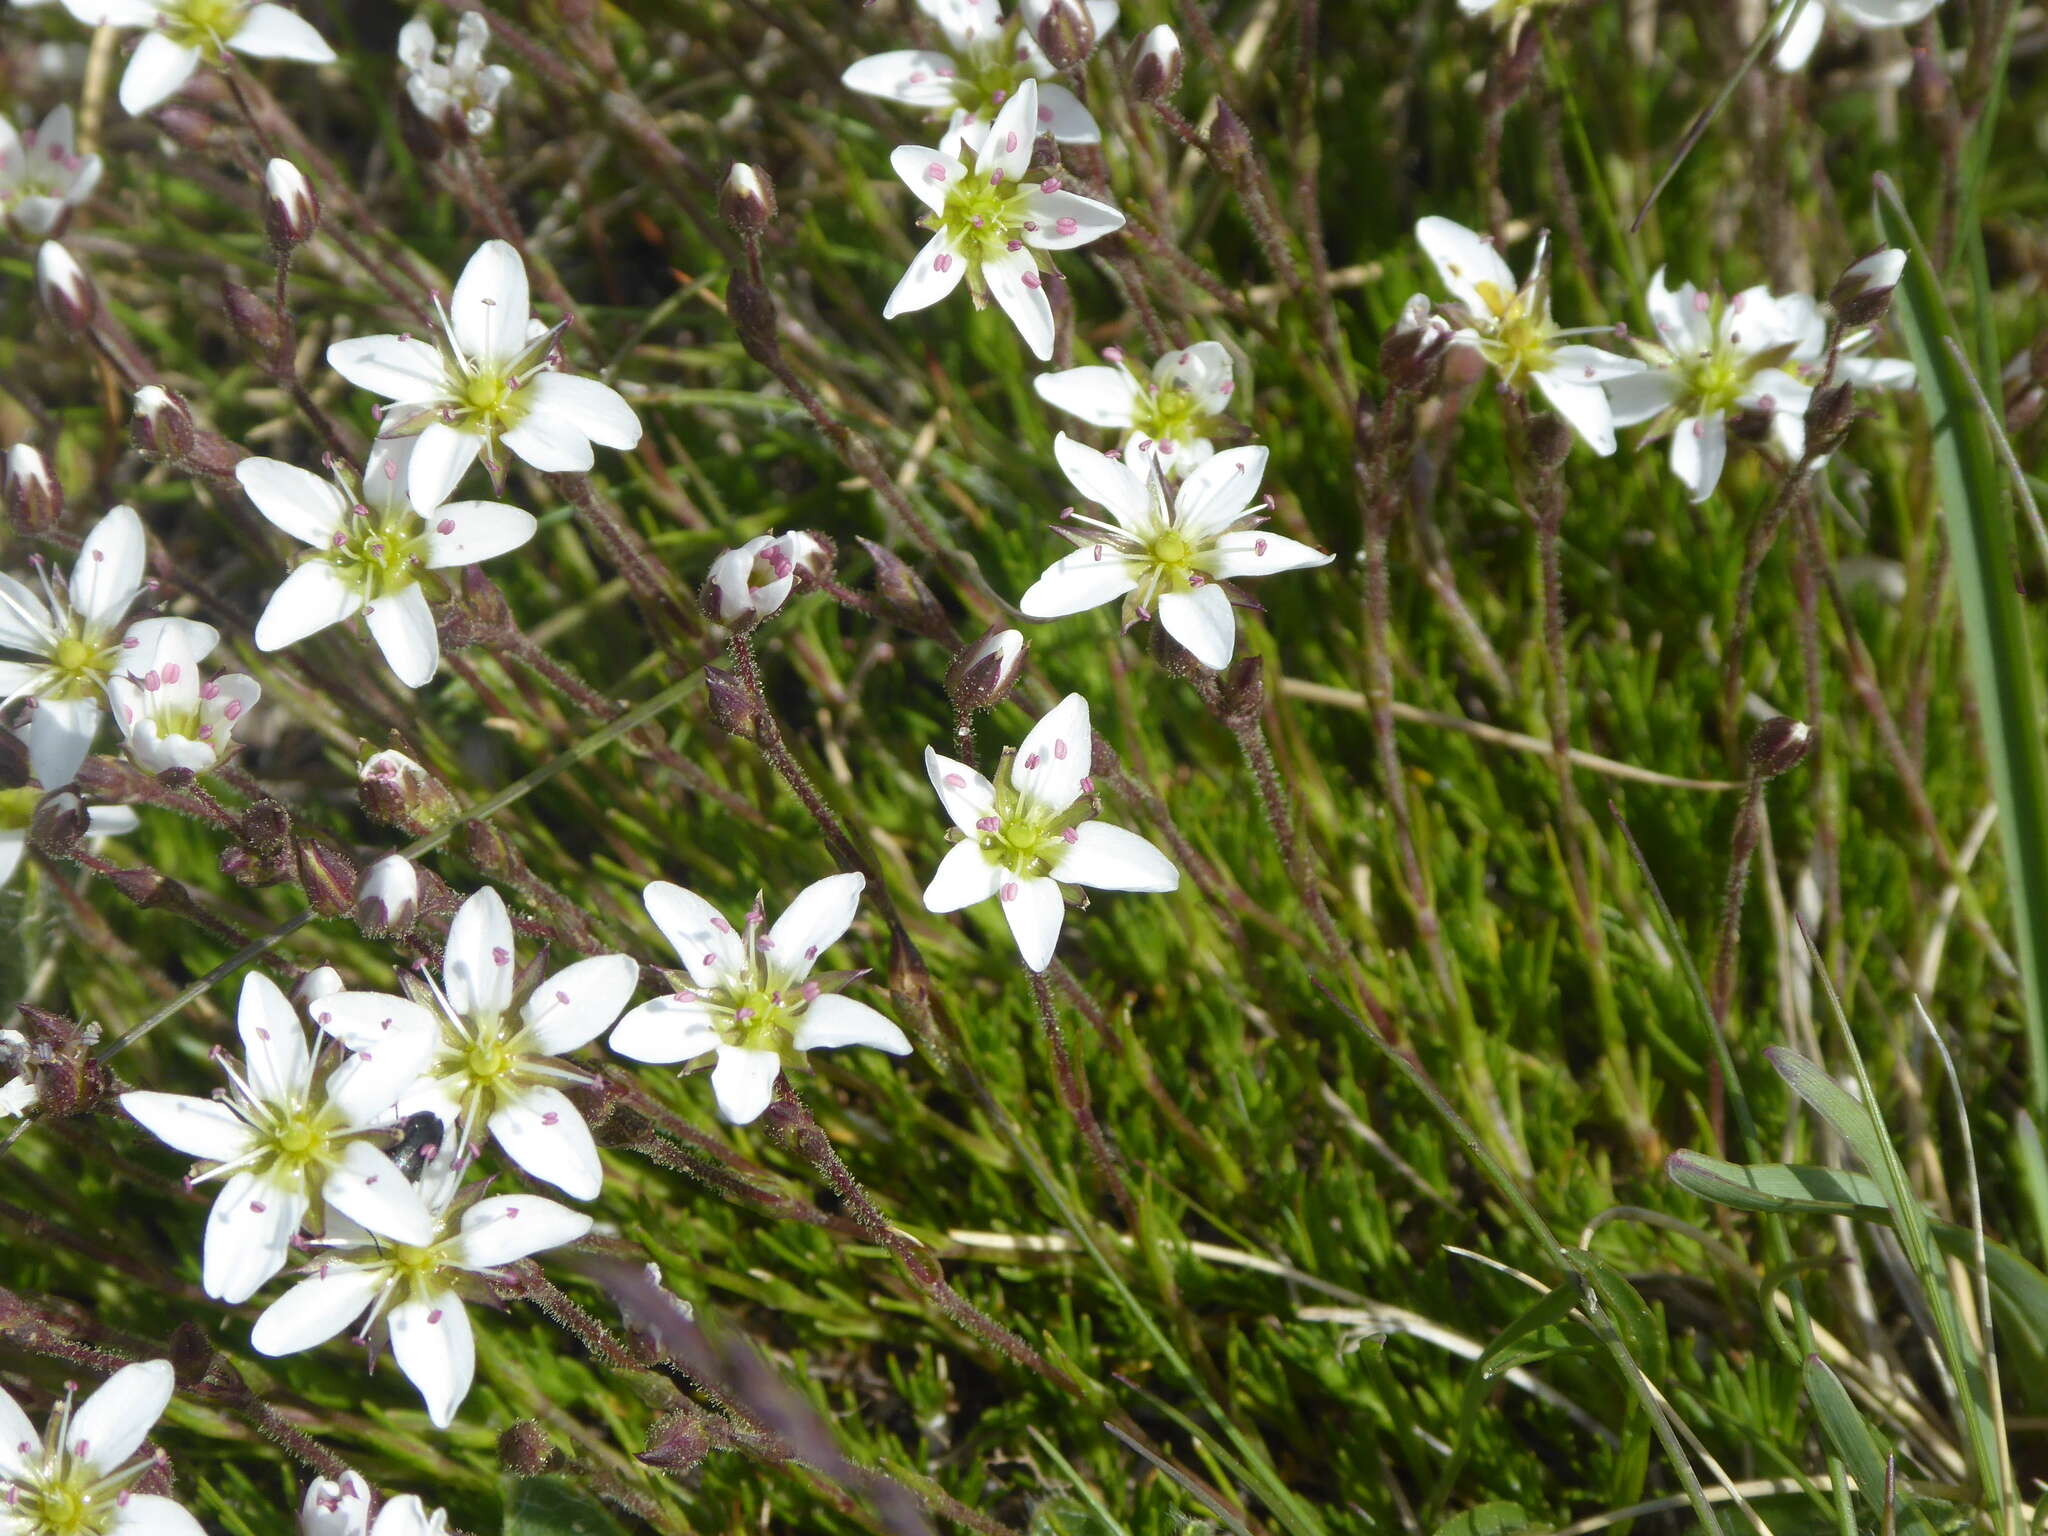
x=982, y=216
x=1169, y=415
x=81, y=665
x=488, y=1060
x=380, y=552
x=1022, y=842
x=300, y=1138
x=417, y=1266
x=203, y=23
x=1718, y=380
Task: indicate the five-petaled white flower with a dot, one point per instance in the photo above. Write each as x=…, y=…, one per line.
x=752, y=998
x=185, y=32
x=492, y=381
x=76, y=633
x=371, y=542
x=452, y=80
x=474, y=1062
x=42, y=175
x=287, y=1142
x=1799, y=34
x=1169, y=553
x=988, y=224
x=1030, y=832
x=414, y=1289
x=17, y=809
x=78, y=1477
x=1512, y=328
x=991, y=59
x=169, y=714
x=341, y=1507
x=1172, y=415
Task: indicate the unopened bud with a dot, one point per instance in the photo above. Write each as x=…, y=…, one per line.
x=329, y=876
x=388, y=900
x=290, y=210
x=58, y=824
x=1230, y=142
x=67, y=293
x=1412, y=355
x=1550, y=442
x=321, y=981
x=1830, y=411
x=747, y=200
x=1063, y=28
x=748, y=584
x=1156, y=65
x=162, y=427
x=256, y=319
x=35, y=504
x=525, y=1450
x=733, y=709
x=397, y=792
x=677, y=1442
x=1862, y=294
x=987, y=670
x=1779, y=745
x=904, y=596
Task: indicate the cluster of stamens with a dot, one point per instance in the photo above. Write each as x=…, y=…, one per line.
x=61, y=1493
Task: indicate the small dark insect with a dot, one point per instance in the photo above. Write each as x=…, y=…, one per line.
x=419, y=1139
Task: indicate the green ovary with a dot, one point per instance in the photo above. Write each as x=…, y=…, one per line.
x=203, y=23
x=982, y=217
x=1024, y=845
x=380, y=553
x=82, y=667
x=301, y=1139
x=1169, y=415
x=1717, y=382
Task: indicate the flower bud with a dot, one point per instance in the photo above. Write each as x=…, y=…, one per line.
x=58, y=824
x=1156, y=65
x=1863, y=293
x=388, y=900
x=733, y=708
x=162, y=428
x=256, y=319
x=1550, y=442
x=1779, y=745
x=983, y=673
x=1063, y=28
x=1412, y=354
x=748, y=584
x=67, y=293
x=397, y=792
x=1829, y=413
x=747, y=200
x=290, y=210
x=321, y=981
x=329, y=876
x=904, y=596
x=265, y=827
x=524, y=1448
x=1229, y=140
x=35, y=503
x=677, y=1441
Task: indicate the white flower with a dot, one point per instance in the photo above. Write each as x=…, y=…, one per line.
x=75, y=632
x=476, y=1064
x=492, y=381
x=752, y=997
x=17, y=809
x=988, y=224
x=1029, y=833
x=1172, y=415
x=1168, y=553
x=341, y=1507
x=1800, y=32
x=454, y=79
x=412, y=1288
x=42, y=176
x=371, y=550
x=288, y=1144
x=388, y=900
x=748, y=584
x=169, y=715
x=77, y=1478
x=1512, y=328
x=991, y=60
x=184, y=32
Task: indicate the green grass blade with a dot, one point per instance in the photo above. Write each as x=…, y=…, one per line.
x=1856, y=1445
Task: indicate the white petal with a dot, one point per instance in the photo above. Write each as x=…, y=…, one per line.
x=1066, y=220
x=1100, y=396
x=932, y=176
x=1034, y=910
x=490, y=306
x=477, y=966
x=1014, y=281
x=916, y=77
x=542, y=1132
x=441, y=456
x=107, y=575
x=16, y=1432
x=1203, y=623
x=1055, y=756
x=313, y=597
x=1108, y=483
x=406, y=1515
x=934, y=272
x=964, y=877
x=401, y=368
x=1061, y=114
x=1008, y=145
x=316, y=1309
x=1074, y=583
x=151, y=1514
x=1594, y=365
x=1801, y=36
x=1699, y=446
x=579, y=1002
x=116, y=1419
x=965, y=794
x=433, y=1345
x=307, y=506
x=507, y=1228
x=703, y=940
x=1111, y=859
x=550, y=444
x=24, y=621
x=13, y=848
x=1886, y=13
x=668, y=1029
x=1879, y=372
x=743, y=1082
x=1252, y=552
x=591, y=406
x=59, y=735
x=272, y=32
x=1639, y=396
x=368, y=1188
x=203, y=1128
x=1465, y=260
x=1201, y=370
x=812, y=924
x=1682, y=318
x=1217, y=494
x=374, y=1022
x=155, y=72
x=402, y=624
x=249, y=1235
x=273, y=1041
x=1584, y=408
x=832, y=1021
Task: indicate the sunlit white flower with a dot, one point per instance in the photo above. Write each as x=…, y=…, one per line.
x=1512, y=328
x=17, y=809
x=371, y=543
x=288, y=1142
x=989, y=59
x=748, y=584
x=1168, y=554
x=752, y=999
x=413, y=1289
x=169, y=714
x=341, y=1507
x=77, y=1478
x=491, y=381
x=453, y=79
x=186, y=32
x=42, y=175
x=1031, y=831
x=75, y=632
x=1800, y=32
x=988, y=224
x=1172, y=415
x=480, y=1066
